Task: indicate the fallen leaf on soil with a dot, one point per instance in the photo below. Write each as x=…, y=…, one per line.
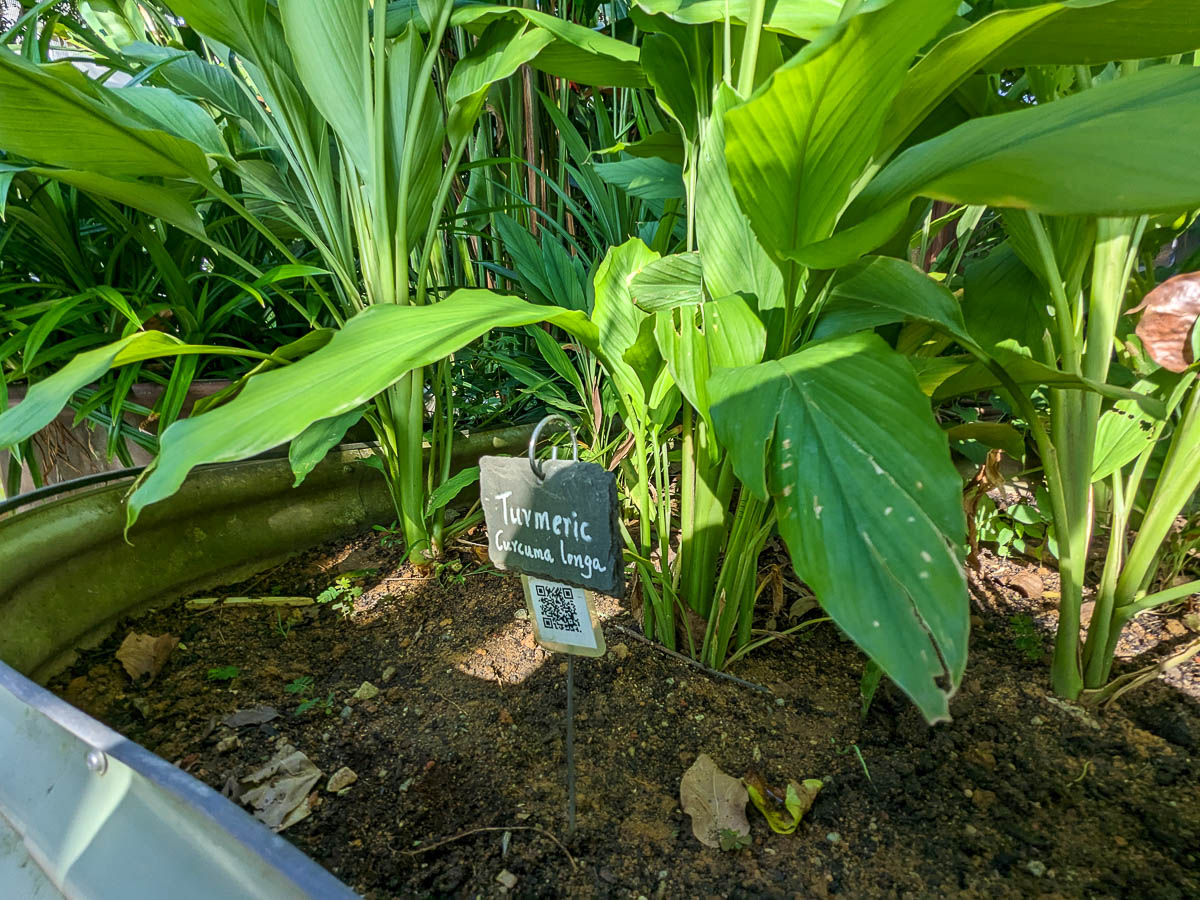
x=278, y=792
x=1028, y=585
x=1169, y=314
x=782, y=809
x=244, y=717
x=145, y=655
x=715, y=801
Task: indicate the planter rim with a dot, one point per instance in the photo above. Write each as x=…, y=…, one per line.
x=282, y=856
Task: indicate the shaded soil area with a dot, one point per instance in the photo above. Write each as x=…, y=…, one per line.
x=457, y=742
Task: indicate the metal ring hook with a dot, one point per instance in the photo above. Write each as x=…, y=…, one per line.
x=534, y=463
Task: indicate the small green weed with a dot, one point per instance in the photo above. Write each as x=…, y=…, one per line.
x=300, y=687
x=344, y=592
x=283, y=627
x=861, y=759
x=391, y=537
x=1019, y=528
x=733, y=840
x=450, y=571
x=869, y=685
x=316, y=702
x=224, y=673
x=1026, y=638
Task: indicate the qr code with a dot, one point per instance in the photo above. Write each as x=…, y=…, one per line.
x=557, y=602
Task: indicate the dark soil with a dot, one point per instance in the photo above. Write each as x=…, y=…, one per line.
x=1021, y=795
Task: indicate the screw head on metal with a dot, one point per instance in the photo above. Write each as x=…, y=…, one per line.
x=97, y=761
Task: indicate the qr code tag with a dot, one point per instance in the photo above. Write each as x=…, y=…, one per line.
x=562, y=616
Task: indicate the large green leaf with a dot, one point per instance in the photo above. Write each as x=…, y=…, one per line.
x=47, y=397
x=674, y=280
x=169, y=204
x=943, y=378
x=45, y=119
x=697, y=340
x=191, y=76
x=1089, y=32
x=800, y=18
x=1067, y=33
x=1071, y=157
x=328, y=40
x=373, y=351
x=796, y=148
x=163, y=108
x=577, y=53
x=503, y=47
x=734, y=260
x=1004, y=301
x=868, y=501
x=628, y=348
x=648, y=178
x=312, y=444
x=881, y=290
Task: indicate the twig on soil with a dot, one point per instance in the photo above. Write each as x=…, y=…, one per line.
x=687, y=659
x=543, y=831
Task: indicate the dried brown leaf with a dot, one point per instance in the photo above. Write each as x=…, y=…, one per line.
x=715, y=801
x=256, y=716
x=1028, y=584
x=144, y=654
x=279, y=791
x=1169, y=314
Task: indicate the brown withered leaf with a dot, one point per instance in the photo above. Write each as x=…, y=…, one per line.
x=715, y=801
x=279, y=791
x=144, y=655
x=256, y=716
x=1028, y=584
x=1169, y=314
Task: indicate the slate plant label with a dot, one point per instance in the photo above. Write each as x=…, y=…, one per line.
x=563, y=528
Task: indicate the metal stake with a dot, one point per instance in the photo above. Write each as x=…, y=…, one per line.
x=571, y=745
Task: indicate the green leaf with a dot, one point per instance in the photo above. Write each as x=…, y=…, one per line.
x=425, y=131
x=945, y=378
x=45, y=119
x=734, y=260
x=1004, y=301
x=312, y=445
x=670, y=281
x=667, y=70
x=445, y=492
x=796, y=148
x=328, y=40
x=629, y=352
x=1123, y=433
x=697, y=340
x=868, y=501
x=649, y=178
x=1015, y=161
x=373, y=351
x=503, y=47
x=167, y=203
x=47, y=397
x=1078, y=32
x=163, y=108
x=191, y=76
x=1087, y=32
x=576, y=53
x=991, y=434
x=881, y=290
x=799, y=18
